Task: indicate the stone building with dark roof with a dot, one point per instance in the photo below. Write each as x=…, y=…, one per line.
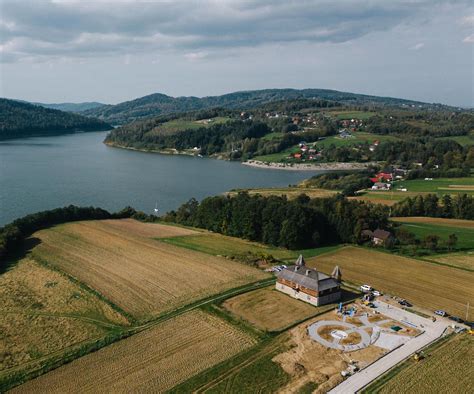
x=308, y=284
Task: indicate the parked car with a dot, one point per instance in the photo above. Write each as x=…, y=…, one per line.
x=440, y=312
x=366, y=288
x=376, y=293
x=456, y=319
x=405, y=303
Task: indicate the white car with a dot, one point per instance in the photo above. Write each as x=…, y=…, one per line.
x=366, y=288
x=376, y=293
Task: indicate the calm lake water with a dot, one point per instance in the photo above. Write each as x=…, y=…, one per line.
x=49, y=172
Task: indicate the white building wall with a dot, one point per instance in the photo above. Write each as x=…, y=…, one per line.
x=316, y=301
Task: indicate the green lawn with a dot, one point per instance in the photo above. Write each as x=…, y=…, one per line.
x=462, y=139
x=439, y=185
x=184, y=124
x=221, y=245
x=277, y=157
x=362, y=115
x=421, y=230
x=359, y=137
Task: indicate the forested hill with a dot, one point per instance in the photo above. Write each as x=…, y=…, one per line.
x=160, y=104
x=72, y=107
x=19, y=119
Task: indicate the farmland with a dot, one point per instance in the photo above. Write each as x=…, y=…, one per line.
x=423, y=283
x=448, y=367
x=422, y=227
x=462, y=260
x=270, y=310
x=290, y=192
x=43, y=313
x=154, y=360
x=221, y=245
x=438, y=185
x=457, y=223
x=142, y=276
x=177, y=125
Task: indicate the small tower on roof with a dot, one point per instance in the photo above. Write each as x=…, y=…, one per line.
x=336, y=273
x=300, y=261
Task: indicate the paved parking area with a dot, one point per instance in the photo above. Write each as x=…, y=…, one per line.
x=432, y=331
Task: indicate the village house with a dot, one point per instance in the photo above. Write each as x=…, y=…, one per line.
x=378, y=237
x=381, y=186
x=308, y=284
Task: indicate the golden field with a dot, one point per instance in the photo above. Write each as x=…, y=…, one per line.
x=269, y=309
x=142, y=276
x=448, y=368
x=422, y=283
x=462, y=260
x=42, y=312
x=153, y=361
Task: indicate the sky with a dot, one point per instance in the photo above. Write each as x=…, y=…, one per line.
x=114, y=51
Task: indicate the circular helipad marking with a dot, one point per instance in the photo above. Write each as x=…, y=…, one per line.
x=338, y=334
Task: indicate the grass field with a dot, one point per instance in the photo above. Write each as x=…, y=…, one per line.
x=270, y=310
x=290, y=192
x=359, y=137
x=153, y=361
x=456, y=223
x=422, y=283
x=462, y=260
x=221, y=245
x=142, y=276
x=42, y=313
x=437, y=185
x=177, y=125
x=422, y=229
x=362, y=115
x=447, y=368
x=464, y=140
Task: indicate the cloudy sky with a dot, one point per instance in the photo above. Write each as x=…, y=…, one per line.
x=57, y=51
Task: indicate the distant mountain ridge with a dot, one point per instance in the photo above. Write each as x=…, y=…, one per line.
x=20, y=119
x=159, y=104
x=72, y=107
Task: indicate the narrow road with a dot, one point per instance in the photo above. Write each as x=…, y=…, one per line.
x=433, y=330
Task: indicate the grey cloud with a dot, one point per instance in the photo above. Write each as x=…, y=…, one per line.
x=41, y=29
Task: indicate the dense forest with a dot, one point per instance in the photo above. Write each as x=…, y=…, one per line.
x=160, y=104
x=19, y=119
x=294, y=224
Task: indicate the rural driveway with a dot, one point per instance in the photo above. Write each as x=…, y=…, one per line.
x=433, y=330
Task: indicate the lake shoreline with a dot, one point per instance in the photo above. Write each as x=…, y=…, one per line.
x=308, y=167
x=257, y=163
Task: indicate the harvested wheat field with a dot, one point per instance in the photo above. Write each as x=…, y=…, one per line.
x=462, y=260
x=143, y=276
x=422, y=283
x=43, y=312
x=436, y=221
x=448, y=368
x=152, y=361
x=269, y=309
x=148, y=230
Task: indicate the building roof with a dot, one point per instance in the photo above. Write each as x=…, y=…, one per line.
x=300, y=261
x=381, y=234
x=308, y=277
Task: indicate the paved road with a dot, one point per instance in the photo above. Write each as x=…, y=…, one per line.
x=433, y=330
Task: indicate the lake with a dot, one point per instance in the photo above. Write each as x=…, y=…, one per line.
x=48, y=172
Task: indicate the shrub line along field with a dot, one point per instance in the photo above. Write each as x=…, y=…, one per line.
x=423, y=283
x=143, y=276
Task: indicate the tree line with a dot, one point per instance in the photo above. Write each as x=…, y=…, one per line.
x=461, y=206
x=275, y=220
